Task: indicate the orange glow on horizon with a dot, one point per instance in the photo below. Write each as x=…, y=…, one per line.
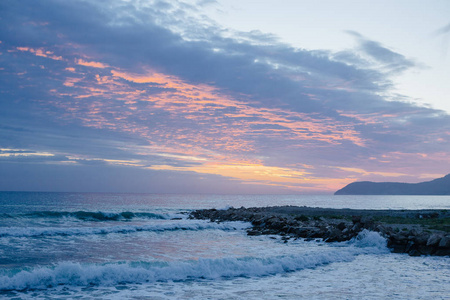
x=260, y=174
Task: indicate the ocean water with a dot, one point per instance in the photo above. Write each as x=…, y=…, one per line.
x=143, y=246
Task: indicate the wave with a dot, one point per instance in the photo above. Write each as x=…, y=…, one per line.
x=75, y=274
x=74, y=231
x=90, y=216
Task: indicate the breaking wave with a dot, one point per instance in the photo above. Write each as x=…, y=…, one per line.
x=370, y=239
x=75, y=274
x=74, y=231
x=89, y=215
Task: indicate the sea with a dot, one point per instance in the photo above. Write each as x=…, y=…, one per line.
x=144, y=246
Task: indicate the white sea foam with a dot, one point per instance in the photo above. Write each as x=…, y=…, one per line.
x=75, y=274
x=370, y=239
x=162, y=226
x=226, y=207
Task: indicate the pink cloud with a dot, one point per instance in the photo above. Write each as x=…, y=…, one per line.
x=40, y=52
x=93, y=64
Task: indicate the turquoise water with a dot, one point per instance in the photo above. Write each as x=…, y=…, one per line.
x=135, y=246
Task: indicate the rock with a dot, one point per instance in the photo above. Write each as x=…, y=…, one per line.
x=426, y=250
x=398, y=243
x=302, y=218
x=254, y=232
x=299, y=232
x=445, y=242
x=434, y=240
x=334, y=235
x=412, y=233
x=442, y=252
x=414, y=252
x=258, y=222
x=356, y=219
x=315, y=232
x=397, y=248
x=357, y=227
x=341, y=226
x=400, y=238
x=367, y=220
x=269, y=231
x=422, y=238
x=275, y=222
x=380, y=228
x=410, y=246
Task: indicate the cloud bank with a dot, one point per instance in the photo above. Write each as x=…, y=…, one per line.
x=159, y=92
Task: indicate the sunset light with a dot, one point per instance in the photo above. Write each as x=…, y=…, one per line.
x=162, y=94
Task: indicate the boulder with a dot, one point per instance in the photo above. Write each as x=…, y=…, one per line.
x=367, y=222
x=434, y=239
x=426, y=250
x=397, y=248
x=414, y=252
x=400, y=238
x=357, y=227
x=445, y=242
x=443, y=252
x=341, y=226
x=410, y=246
x=356, y=219
x=254, y=232
x=422, y=238
x=334, y=235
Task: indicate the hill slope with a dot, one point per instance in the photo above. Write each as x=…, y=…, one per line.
x=440, y=186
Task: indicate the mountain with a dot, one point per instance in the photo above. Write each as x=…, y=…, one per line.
x=440, y=186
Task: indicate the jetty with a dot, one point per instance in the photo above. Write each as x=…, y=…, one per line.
x=416, y=232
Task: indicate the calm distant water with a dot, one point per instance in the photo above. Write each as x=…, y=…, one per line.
x=29, y=201
x=139, y=246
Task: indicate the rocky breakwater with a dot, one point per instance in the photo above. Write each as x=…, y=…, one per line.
x=336, y=225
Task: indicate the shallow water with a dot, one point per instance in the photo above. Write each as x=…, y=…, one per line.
x=109, y=246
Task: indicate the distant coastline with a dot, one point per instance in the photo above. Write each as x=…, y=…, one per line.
x=439, y=186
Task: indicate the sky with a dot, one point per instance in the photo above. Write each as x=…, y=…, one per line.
x=223, y=97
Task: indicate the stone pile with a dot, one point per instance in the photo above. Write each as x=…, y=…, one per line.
x=413, y=241
x=417, y=242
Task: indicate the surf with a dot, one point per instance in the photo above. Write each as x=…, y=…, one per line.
x=170, y=225
x=109, y=274
x=100, y=216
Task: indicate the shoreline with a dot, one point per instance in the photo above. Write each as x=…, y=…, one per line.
x=416, y=232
